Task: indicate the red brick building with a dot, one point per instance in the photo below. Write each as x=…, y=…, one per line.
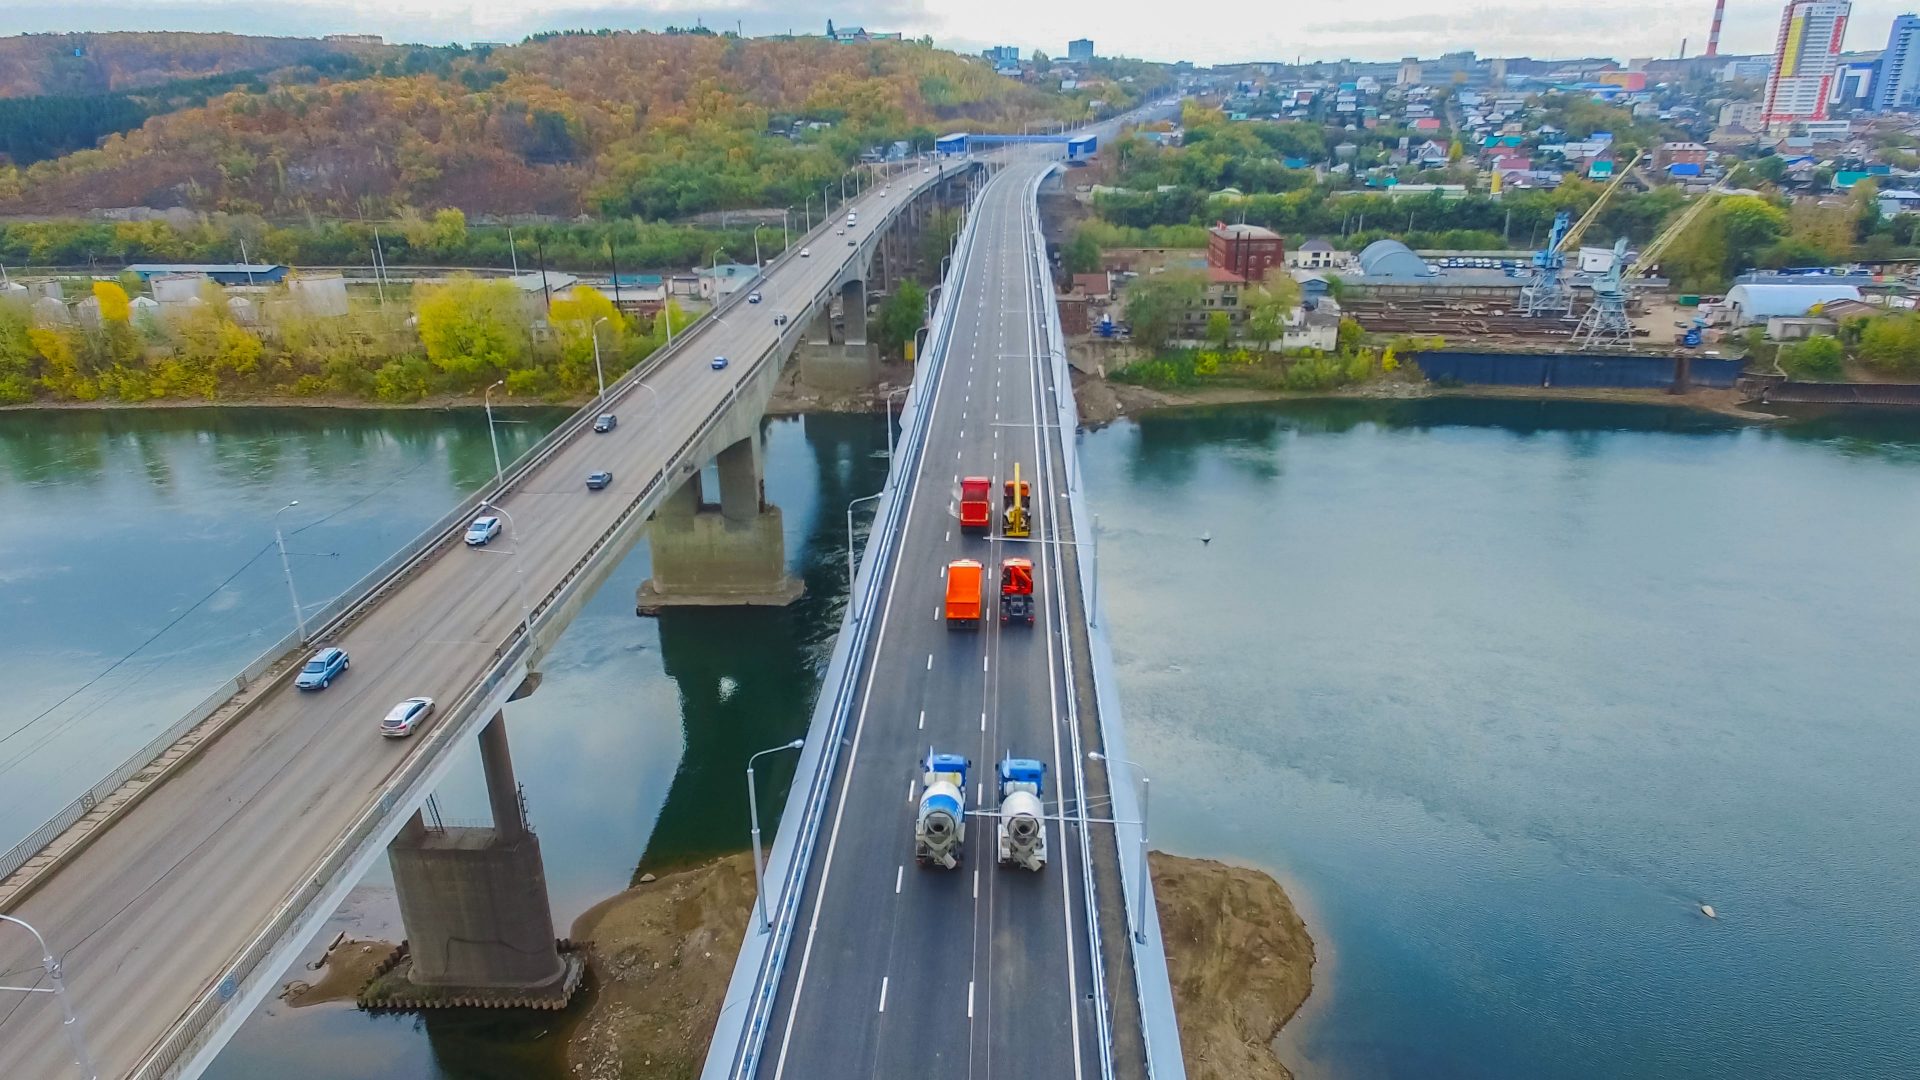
x=1246, y=251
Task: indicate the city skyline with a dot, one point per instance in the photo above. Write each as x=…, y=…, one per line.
x=1235, y=31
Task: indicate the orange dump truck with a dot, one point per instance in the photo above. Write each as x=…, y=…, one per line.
x=1016, y=591
x=963, y=595
x=976, y=509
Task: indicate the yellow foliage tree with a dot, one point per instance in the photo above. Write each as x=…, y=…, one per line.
x=472, y=328
x=114, y=303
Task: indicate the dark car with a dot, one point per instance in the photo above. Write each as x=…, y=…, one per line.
x=606, y=422
x=779, y=320
x=719, y=363
x=598, y=480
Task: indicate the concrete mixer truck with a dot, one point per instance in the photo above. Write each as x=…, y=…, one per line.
x=1023, y=820
x=941, y=827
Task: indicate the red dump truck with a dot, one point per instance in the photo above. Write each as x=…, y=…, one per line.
x=976, y=508
x=963, y=595
x=1016, y=591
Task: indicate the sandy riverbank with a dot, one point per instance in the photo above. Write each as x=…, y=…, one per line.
x=1241, y=962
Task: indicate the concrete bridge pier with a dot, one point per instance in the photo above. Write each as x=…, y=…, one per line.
x=730, y=554
x=474, y=903
x=849, y=363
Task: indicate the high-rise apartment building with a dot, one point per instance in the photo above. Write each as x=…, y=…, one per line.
x=1899, y=79
x=1080, y=50
x=1806, y=57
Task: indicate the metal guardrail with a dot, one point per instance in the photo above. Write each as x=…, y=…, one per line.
x=868, y=583
x=351, y=601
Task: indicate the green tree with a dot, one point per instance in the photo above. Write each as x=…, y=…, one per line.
x=1156, y=306
x=1267, y=316
x=1082, y=253
x=900, y=318
x=1818, y=357
x=1891, y=342
x=472, y=329
x=18, y=360
x=1351, y=335
x=1219, y=329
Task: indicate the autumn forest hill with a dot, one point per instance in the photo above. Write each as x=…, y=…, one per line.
x=619, y=125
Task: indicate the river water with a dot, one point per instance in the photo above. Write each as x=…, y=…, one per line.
x=1502, y=691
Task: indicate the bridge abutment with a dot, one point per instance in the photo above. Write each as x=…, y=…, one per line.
x=733, y=554
x=474, y=904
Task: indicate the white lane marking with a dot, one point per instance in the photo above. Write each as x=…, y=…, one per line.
x=923, y=719
x=970, y=999
x=949, y=535
x=983, y=721
x=929, y=661
x=883, y=988
x=899, y=875
x=976, y=883
x=983, y=663
x=909, y=792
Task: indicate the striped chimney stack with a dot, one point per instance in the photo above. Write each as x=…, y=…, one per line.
x=1713, y=36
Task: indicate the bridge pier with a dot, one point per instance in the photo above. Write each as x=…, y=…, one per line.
x=850, y=363
x=474, y=903
x=733, y=554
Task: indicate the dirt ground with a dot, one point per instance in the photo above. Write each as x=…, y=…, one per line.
x=347, y=969
x=1241, y=963
x=793, y=396
x=662, y=954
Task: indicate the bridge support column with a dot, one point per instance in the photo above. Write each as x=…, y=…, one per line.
x=474, y=903
x=730, y=555
x=850, y=364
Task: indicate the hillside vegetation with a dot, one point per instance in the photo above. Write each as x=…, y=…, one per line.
x=650, y=125
x=74, y=64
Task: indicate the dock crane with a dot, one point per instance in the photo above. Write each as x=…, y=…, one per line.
x=1548, y=292
x=1606, y=322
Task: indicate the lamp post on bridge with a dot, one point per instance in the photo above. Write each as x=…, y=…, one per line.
x=807, y=209
x=279, y=541
x=850, y=506
x=753, y=811
x=487, y=398
x=57, y=986
x=1140, y=893
x=599, y=375
x=519, y=587
x=891, y=394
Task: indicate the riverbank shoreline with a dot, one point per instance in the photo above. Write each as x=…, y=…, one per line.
x=1240, y=958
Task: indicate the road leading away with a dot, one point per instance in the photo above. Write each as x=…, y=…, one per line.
x=150, y=915
x=981, y=971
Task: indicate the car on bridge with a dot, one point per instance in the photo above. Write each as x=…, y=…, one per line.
x=779, y=320
x=753, y=298
x=605, y=422
x=598, y=480
x=325, y=666
x=482, y=530
x=402, y=719
x=804, y=252
x=719, y=363
x=851, y=241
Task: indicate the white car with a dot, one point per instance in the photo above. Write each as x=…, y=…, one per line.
x=482, y=530
x=753, y=298
x=804, y=252
x=402, y=719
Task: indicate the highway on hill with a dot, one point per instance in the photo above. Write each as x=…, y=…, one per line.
x=151, y=913
x=982, y=971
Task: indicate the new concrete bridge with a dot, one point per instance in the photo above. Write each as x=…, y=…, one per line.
x=868, y=965
x=178, y=891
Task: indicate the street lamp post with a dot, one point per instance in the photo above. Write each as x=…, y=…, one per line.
x=891, y=394
x=299, y=618
x=850, y=506
x=807, y=208
x=1140, y=893
x=1093, y=610
x=756, y=249
x=519, y=588
x=753, y=811
x=786, y=228
x=57, y=986
x=599, y=375
x=487, y=398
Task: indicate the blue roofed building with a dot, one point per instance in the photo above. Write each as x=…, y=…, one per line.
x=223, y=273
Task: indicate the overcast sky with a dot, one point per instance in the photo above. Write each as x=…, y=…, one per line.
x=1212, y=32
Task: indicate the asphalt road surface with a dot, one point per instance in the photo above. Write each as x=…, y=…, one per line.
x=149, y=915
x=982, y=971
